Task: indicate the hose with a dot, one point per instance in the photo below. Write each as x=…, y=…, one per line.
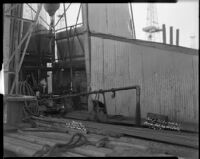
x=28, y=109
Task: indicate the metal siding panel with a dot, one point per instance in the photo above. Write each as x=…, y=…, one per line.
x=109, y=74
x=97, y=16
x=112, y=18
x=97, y=63
x=167, y=79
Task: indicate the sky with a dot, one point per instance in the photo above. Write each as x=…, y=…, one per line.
x=182, y=15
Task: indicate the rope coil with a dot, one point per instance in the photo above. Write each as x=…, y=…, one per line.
x=76, y=140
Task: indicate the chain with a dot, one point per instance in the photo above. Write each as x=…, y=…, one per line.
x=76, y=125
x=161, y=124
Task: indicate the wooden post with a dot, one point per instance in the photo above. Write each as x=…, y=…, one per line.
x=87, y=43
x=171, y=36
x=16, y=38
x=29, y=35
x=6, y=54
x=87, y=49
x=164, y=33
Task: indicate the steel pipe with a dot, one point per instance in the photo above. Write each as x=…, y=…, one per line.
x=136, y=87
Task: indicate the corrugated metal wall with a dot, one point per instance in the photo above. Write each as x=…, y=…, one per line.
x=168, y=79
x=111, y=18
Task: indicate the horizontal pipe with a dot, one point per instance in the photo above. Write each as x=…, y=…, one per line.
x=137, y=87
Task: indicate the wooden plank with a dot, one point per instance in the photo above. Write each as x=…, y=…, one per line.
x=23, y=143
x=163, y=147
x=21, y=151
x=19, y=98
x=87, y=150
x=147, y=146
x=142, y=133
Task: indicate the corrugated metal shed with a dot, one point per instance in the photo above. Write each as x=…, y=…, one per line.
x=168, y=79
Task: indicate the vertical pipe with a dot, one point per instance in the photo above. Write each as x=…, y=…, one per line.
x=70, y=58
x=171, y=36
x=138, y=112
x=133, y=26
x=177, y=37
x=164, y=33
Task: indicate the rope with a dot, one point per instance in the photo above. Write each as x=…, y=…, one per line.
x=28, y=109
x=76, y=140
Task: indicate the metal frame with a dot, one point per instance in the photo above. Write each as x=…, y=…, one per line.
x=28, y=35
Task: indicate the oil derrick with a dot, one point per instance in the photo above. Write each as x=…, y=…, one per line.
x=152, y=27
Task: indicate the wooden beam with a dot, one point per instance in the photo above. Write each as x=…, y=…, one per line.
x=175, y=138
x=18, y=18
x=87, y=43
x=16, y=39
x=6, y=54
x=6, y=48
x=29, y=36
x=179, y=49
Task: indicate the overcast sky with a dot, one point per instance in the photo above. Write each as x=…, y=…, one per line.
x=182, y=15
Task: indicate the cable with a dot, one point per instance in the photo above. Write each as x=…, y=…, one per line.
x=48, y=151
